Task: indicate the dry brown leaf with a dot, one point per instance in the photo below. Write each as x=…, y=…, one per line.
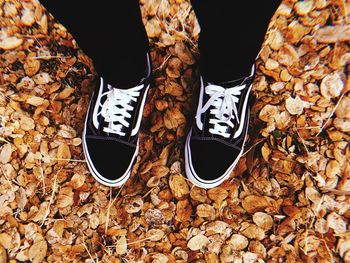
x=174, y=68
x=268, y=113
x=121, y=246
x=178, y=186
x=10, y=43
x=342, y=124
x=265, y=152
x=275, y=39
x=332, y=86
x=3, y=255
x=183, y=210
x=217, y=194
x=184, y=54
x=205, y=210
x=154, y=216
x=218, y=227
x=35, y=101
x=65, y=197
x=333, y=168
x=263, y=220
x=134, y=205
x=173, y=88
x=42, y=78
x=254, y=232
x=159, y=170
x=63, y=154
x=67, y=132
x=31, y=66
x=6, y=241
x=26, y=123
x=198, y=194
x=153, y=28
x=343, y=109
x=155, y=234
x=27, y=17
x=271, y=64
x=296, y=32
x=77, y=180
x=37, y=251
x=5, y=153
x=65, y=93
x=173, y=118
x=337, y=222
x=254, y=203
x=198, y=242
x=238, y=242
x=312, y=194
x=332, y=34
x=288, y=55
x=295, y=106
x=304, y=7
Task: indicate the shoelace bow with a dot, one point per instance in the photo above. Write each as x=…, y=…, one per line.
x=116, y=107
x=224, y=103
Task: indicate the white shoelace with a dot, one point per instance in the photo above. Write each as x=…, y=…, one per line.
x=225, y=110
x=116, y=107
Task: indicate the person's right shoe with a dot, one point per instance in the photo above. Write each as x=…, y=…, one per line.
x=216, y=141
x=110, y=137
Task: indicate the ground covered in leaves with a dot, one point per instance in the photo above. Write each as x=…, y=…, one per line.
x=287, y=200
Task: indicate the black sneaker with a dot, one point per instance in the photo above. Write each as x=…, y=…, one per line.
x=110, y=137
x=216, y=140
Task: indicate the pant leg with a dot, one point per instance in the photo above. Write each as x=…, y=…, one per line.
x=112, y=35
x=231, y=35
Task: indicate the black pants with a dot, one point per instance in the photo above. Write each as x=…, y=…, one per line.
x=115, y=38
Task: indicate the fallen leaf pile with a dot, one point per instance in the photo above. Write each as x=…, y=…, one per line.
x=286, y=201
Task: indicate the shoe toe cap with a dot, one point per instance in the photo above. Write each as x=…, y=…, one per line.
x=109, y=159
x=210, y=159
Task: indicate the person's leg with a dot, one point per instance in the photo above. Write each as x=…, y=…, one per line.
x=231, y=35
x=230, y=39
x=113, y=37
x=116, y=40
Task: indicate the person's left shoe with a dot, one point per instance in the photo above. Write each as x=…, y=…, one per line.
x=216, y=141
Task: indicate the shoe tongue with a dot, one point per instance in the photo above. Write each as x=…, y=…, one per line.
x=226, y=85
x=232, y=83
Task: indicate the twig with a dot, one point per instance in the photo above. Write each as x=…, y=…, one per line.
x=43, y=180
x=302, y=140
x=47, y=212
x=334, y=191
x=255, y=144
x=135, y=242
x=146, y=194
x=110, y=204
x=141, y=240
x=345, y=11
x=331, y=114
x=85, y=246
x=163, y=63
x=3, y=140
x=48, y=57
x=70, y=160
x=308, y=128
x=343, y=234
x=7, y=179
